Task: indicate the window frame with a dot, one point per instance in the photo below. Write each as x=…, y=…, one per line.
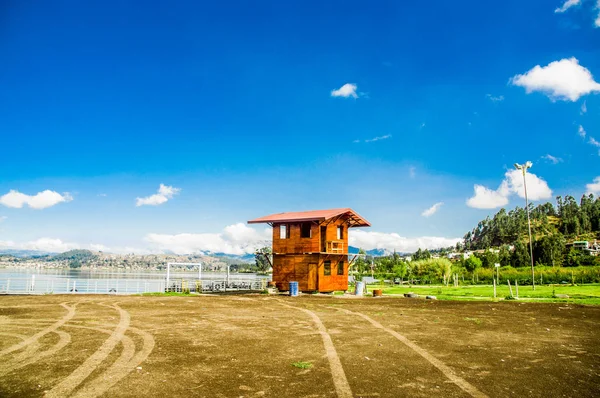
x=340, y=267
x=327, y=268
x=302, y=230
x=340, y=232
x=285, y=228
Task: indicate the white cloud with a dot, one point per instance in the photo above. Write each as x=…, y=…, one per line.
x=49, y=245
x=432, y=210
x=347, y=90
x=103, y=195
x=568, y=4
x=583, y=108
x=597, y=21
x=595, y=143
x=235, y=239
x=537, y=188
x=98, y=248
x=7, y=244
x=52, y=245
x=412, y=171
x=581, y=131
x=383, y=137
x=486, y=198
x=553, y=159
x=495, y=99
x=369, y=240
x=562, y=80
x=2, y=218
x=165, y=193
x=40, y=200
x=594, y=187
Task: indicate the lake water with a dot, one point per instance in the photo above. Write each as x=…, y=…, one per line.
x=58, y=281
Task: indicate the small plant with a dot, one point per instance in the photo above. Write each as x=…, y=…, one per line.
x=302, y=365
x=509, y=298
x=476, y=321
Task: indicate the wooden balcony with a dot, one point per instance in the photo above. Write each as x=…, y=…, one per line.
x=335, y=247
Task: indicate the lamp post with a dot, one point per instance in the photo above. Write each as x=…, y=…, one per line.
x=523, y=168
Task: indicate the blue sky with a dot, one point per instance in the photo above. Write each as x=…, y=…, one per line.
x=233, y=107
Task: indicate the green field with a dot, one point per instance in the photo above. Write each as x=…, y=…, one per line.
x=579, y=294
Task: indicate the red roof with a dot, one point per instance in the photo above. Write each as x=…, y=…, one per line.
x=313, y=215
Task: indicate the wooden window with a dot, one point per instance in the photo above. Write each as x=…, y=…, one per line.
x=284, y=231
x=305, y=230
x=340, y=268
x=327, y=268
x=340, y=232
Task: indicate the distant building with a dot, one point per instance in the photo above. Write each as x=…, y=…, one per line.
x=311, y=248
x=592, y=249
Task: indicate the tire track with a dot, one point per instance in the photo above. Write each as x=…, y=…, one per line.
x=67, y=385
x=442, y=367
x=26, y=359
x=33, y=339
x=340, y=382
x=120, y=368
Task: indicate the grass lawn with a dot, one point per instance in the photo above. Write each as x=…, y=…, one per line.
x=580, y=294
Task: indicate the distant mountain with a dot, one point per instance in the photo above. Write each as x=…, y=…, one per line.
x=246, y=258
x=25, y=253
x=373, y=252
x=79, y=255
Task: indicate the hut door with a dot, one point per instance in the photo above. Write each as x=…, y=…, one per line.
x=323, y=239
x=312, y=277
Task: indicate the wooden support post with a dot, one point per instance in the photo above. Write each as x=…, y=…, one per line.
x=494, y=288
x=268, y=259
x=511, y=292
x=517, y=286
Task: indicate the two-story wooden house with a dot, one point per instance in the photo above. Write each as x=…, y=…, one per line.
x=311, y=248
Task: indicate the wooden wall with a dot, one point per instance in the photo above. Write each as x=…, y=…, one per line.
x=295, y=244
x=333, y=282
x=288, y=268
x=309, y=271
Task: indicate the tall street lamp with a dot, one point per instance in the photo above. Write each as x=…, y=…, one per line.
x=523, y=168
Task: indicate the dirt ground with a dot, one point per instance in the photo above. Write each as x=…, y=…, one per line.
x=245, y=346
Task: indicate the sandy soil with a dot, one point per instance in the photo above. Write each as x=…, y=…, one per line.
x=244, y=346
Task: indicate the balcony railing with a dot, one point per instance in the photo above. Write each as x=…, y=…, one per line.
x=335, y=246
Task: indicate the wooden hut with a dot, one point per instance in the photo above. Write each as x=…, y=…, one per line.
x=311, y=248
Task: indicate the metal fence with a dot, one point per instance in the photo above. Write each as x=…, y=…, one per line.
x=210, y=286
x=84, y=286
x=123, y=286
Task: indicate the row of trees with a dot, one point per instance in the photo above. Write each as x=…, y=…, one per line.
x=569, y=219
x=551, y=229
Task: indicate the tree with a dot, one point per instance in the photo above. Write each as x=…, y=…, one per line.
x=549, y=249
x=472, y=264
x=400, y=270
x=488, y=258
x=504, y=255
x=263, y=258
x=520, y=255
x=422, y=254
x=360, y=264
